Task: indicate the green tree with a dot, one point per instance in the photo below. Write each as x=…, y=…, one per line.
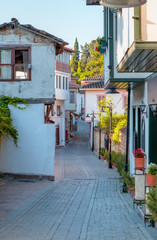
x=119, y=120
x=95, y=63
x=75, y=58
x=85, y=54
x=79, y=70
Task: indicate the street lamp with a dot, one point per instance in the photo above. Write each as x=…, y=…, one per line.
x=92, y=127
x=122, y=3
x=111, y=91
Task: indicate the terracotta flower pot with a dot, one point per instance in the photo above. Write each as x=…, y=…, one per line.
x=102, y=157
x=139, y=163
x=151, y=180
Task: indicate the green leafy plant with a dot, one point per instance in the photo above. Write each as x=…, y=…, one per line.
x=6, y=126
x=102, y=151
x=152, y=202
x=119, y=121
x=152, y=169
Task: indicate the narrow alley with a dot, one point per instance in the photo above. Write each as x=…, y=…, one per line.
x=84, y=202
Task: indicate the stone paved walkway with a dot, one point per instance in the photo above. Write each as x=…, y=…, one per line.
x=85, y=202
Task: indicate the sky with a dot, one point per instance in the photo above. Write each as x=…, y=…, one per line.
x=66, y=19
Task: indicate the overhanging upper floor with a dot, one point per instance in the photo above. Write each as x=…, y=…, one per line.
x=140, y=57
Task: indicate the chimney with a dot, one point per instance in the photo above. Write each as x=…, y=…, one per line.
x=14, y=22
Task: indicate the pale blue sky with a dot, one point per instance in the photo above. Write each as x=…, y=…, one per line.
x=66, y=19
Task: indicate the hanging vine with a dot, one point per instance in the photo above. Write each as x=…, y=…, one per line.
x=6, y=126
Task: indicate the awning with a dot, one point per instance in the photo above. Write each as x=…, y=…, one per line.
x=120, y=83
x=140, y=57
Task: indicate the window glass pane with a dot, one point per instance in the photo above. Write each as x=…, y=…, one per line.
x=57, y=81
x=21, y=72
x=21, y=56
x=5, y=72
x=71, y=97
x=66, y=83
x=5, y=57
x=63, y=82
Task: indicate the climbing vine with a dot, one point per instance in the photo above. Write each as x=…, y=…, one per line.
x=6, y=126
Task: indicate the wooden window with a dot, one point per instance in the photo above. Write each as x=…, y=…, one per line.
x=72, y=100
x=15, y=64
x=48, y=112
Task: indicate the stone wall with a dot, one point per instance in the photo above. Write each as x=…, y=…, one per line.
x=119, y=148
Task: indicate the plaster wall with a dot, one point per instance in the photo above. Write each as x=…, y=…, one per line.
x=149, y=21
x=62, y=94
x=71, y=106
x=123, y=32
x=80, y=102
x=60, y=120
x=36, y=144
x=42, y=61
x=91, y=102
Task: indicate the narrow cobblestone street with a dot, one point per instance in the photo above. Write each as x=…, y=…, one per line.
x=84, y=202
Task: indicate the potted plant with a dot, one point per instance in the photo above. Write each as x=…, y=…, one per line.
x=139, y=158
x=151, y=174
x=102, y=42
x=101, y=154
x=152, y=203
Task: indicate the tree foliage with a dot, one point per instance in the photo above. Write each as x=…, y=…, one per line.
x=119, y=120
x=6, y=126
x=75, y=58
x=90, y=64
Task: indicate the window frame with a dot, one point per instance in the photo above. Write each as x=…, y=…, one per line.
x=70, y=97
x=13, y=49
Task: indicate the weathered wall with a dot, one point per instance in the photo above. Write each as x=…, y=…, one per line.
x=42, y=61
x=36, y=144
x=119, y=148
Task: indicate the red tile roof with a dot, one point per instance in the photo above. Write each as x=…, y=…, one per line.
x=73, y=85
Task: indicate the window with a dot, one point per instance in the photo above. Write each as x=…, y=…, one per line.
x=59, y=81
x=124, y=101
x=15, y=64
x=63, y=82
x=56, y=81
x=100, y=98
x=48, y=112
x=59, y=112
x=66, y=83
x=72, y=97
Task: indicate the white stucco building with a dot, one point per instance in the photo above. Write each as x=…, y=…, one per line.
x=27, y=64
x=62, y=79
x=131, y=64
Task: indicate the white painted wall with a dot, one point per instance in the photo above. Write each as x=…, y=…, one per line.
x=80, y=102
x=43, y=66
x=91, y=102
x=36, y=144
x=60, y=120
x=71, y=106
x=62, y=94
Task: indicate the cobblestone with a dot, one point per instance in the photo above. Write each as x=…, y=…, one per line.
x=84, y=203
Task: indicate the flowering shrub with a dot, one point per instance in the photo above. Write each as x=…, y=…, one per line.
x=152, y=169
x=138, y=153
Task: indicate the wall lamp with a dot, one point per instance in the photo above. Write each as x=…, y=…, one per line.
x=143, y=108
x=153, y=107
